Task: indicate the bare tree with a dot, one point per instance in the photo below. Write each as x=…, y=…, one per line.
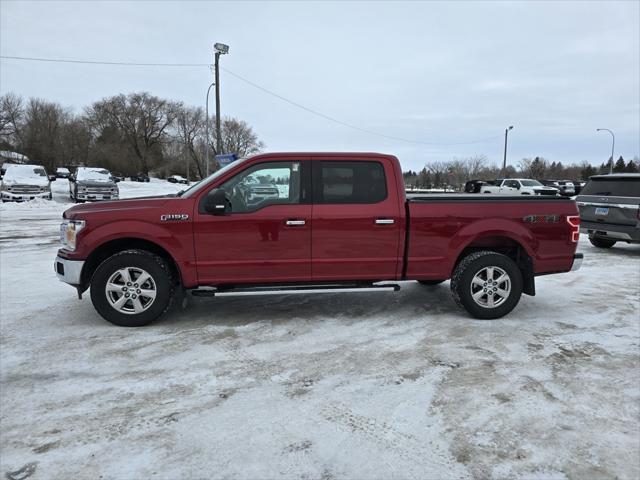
x=143, y=119
x=190, y=128
x=11, y=117
x=239, y=138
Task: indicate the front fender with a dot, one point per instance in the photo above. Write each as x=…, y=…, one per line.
x=175, y=238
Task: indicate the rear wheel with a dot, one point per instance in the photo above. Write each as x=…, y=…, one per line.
x=602, y=242
x=132, y=288
x=487, y=284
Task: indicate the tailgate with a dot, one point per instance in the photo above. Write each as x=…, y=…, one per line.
x=610, y=200
x=612, y=210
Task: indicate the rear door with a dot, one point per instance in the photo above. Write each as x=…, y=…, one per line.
x=612, y=200
x=356, y=219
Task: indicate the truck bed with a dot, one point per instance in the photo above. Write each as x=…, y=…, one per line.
x=441, y=227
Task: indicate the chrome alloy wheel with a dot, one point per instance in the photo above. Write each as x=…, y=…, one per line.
x=130, y=290
x=490, y=287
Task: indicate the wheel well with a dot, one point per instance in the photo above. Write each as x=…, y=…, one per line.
x=112, y=247
x=512, y=249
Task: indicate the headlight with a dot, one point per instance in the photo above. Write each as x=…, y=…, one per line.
x=69, y=232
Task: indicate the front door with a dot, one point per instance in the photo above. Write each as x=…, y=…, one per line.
x=266, y=234
x=356, y=220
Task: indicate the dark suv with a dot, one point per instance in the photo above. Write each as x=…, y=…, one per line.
x=610, y=209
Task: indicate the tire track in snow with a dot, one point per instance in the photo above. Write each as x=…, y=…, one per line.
x=431, y=460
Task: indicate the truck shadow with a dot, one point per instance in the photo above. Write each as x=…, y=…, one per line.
x=413, y=300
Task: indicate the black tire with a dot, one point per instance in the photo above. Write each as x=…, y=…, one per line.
x=430, y=282
x=475, y=263
x=136, y=259
x=600, y=242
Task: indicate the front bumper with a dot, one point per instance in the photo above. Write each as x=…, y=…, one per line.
x=68, y=271
x=23, y=197
x=97, y=196
x=577, y=262
x=626, y=233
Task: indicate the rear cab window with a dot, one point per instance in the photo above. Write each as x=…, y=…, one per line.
x=343, y=182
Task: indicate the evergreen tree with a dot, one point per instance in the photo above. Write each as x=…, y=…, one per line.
x=620, y=166
x=588, y=171
x=631, y=167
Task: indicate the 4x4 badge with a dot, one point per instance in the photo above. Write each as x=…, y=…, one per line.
x=174, y=217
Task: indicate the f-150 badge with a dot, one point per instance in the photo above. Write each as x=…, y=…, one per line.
x=174, y=217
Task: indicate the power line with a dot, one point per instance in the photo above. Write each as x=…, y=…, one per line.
x=92, y=62
x=259, y=87
x=340, y=122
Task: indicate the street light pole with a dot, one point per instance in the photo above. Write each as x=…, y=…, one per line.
x=613, y=144
x=206, y=128
x=504, y=162
x=217, y=80
x=221, y=49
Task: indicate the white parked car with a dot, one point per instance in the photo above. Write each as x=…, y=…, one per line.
x=518, y=186
x=62, y=172
x=177, y=179
x=25, y=182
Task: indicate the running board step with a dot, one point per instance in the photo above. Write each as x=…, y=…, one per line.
x=287, y=290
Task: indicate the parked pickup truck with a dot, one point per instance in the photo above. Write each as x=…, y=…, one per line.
x=340, y=220
x=518, y=186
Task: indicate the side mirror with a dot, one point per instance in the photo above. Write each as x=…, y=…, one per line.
x=518, y=186
x=216, y=202
x=52, y=178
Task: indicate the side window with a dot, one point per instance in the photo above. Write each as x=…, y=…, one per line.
x=351, y=182
x=511, y=184
x=264, y=184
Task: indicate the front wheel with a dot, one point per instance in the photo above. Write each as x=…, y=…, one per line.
x=600, y=242
x=132, y=288
x=487, y=284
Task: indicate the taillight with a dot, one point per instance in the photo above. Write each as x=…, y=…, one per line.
x=574, y=222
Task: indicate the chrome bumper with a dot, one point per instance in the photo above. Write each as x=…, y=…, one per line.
x=23, y=197
x=68, y=271
x=577, y=261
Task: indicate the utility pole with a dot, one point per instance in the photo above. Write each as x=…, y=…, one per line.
x=613, y=144
x=221, y=49
x=206, y=131
x=504, y=162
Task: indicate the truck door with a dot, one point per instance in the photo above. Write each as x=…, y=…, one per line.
x=266, y=234
x=356, y=219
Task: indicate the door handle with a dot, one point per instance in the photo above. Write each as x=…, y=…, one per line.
x=294, y=223
x=385, y=221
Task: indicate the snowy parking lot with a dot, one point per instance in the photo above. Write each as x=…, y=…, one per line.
x=329, y=386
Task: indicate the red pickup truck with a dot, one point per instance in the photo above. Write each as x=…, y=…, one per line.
x=326, y=220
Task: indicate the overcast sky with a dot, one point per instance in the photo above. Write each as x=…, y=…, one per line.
x=431, y=72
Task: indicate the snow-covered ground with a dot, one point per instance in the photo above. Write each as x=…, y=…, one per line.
x=337, y=385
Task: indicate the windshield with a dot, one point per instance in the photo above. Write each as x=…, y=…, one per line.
x=617, y=187
x=93, y=174
x=189, y=192
x=24, y=171
x=531, y=183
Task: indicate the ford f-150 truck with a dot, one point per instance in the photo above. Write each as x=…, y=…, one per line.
x=339, y=221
